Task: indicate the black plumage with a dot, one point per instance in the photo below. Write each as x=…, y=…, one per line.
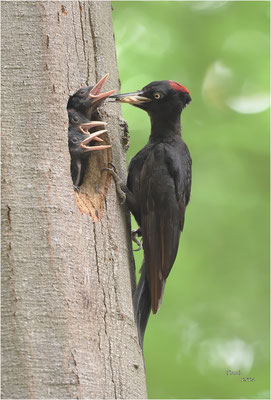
x=158, y=189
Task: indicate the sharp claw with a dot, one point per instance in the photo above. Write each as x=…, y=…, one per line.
x=113, y=166
x=135, y=234
x=140, y=247
x=77, y=188
x=113, y=173
x=120, y=192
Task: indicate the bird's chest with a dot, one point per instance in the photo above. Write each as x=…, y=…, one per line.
x=154, y=170
x=160, y=157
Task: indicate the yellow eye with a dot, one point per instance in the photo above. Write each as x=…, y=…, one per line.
x=157, y=95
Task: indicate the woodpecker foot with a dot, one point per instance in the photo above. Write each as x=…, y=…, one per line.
x=76, y=188
x=118, y=183
x=136, y=233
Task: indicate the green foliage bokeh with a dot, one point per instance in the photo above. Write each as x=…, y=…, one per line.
x=215, y=311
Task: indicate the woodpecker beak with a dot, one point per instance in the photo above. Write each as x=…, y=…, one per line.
x=95, y=93
x=135, y=98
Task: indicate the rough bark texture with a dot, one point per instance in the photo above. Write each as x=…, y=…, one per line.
x=67, y=322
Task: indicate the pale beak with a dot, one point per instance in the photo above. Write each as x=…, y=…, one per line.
x=135, y=98
x=95, y=93
x=94, y=136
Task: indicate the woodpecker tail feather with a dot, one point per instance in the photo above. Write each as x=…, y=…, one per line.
x=142, y=304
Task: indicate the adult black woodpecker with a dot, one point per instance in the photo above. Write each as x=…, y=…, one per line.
x=158, y=190
x=87, y=99
x=81, y=143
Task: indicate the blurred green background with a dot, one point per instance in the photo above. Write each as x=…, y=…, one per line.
x=215, y=311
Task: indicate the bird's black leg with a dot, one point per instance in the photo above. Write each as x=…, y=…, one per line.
x=120, y=187
x=123, y=190
x=136, y=233
x=126, y=196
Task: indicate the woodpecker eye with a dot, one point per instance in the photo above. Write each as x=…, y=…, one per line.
x=81, y=93
x=157, y=96
x=75, y=119
x=74, y=139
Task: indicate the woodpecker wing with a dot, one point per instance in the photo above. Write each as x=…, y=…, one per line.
x=162, y=203
x=78, y=168
x=133, y=180
x=179, y=164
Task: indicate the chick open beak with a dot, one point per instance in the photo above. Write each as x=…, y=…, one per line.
x=88, y=125
x=90, y=138
x=95, y=93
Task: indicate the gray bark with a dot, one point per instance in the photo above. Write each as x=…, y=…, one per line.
x=68, y=329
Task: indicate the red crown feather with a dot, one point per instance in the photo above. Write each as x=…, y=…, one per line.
x=177, y=86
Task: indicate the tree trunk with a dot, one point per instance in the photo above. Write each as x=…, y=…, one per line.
x=68, y=329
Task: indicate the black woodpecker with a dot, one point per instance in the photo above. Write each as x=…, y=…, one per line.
x=81, y=143
x=158, y=190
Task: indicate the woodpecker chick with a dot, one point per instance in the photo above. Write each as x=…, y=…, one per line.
x=87, y=99
x=81, y=144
